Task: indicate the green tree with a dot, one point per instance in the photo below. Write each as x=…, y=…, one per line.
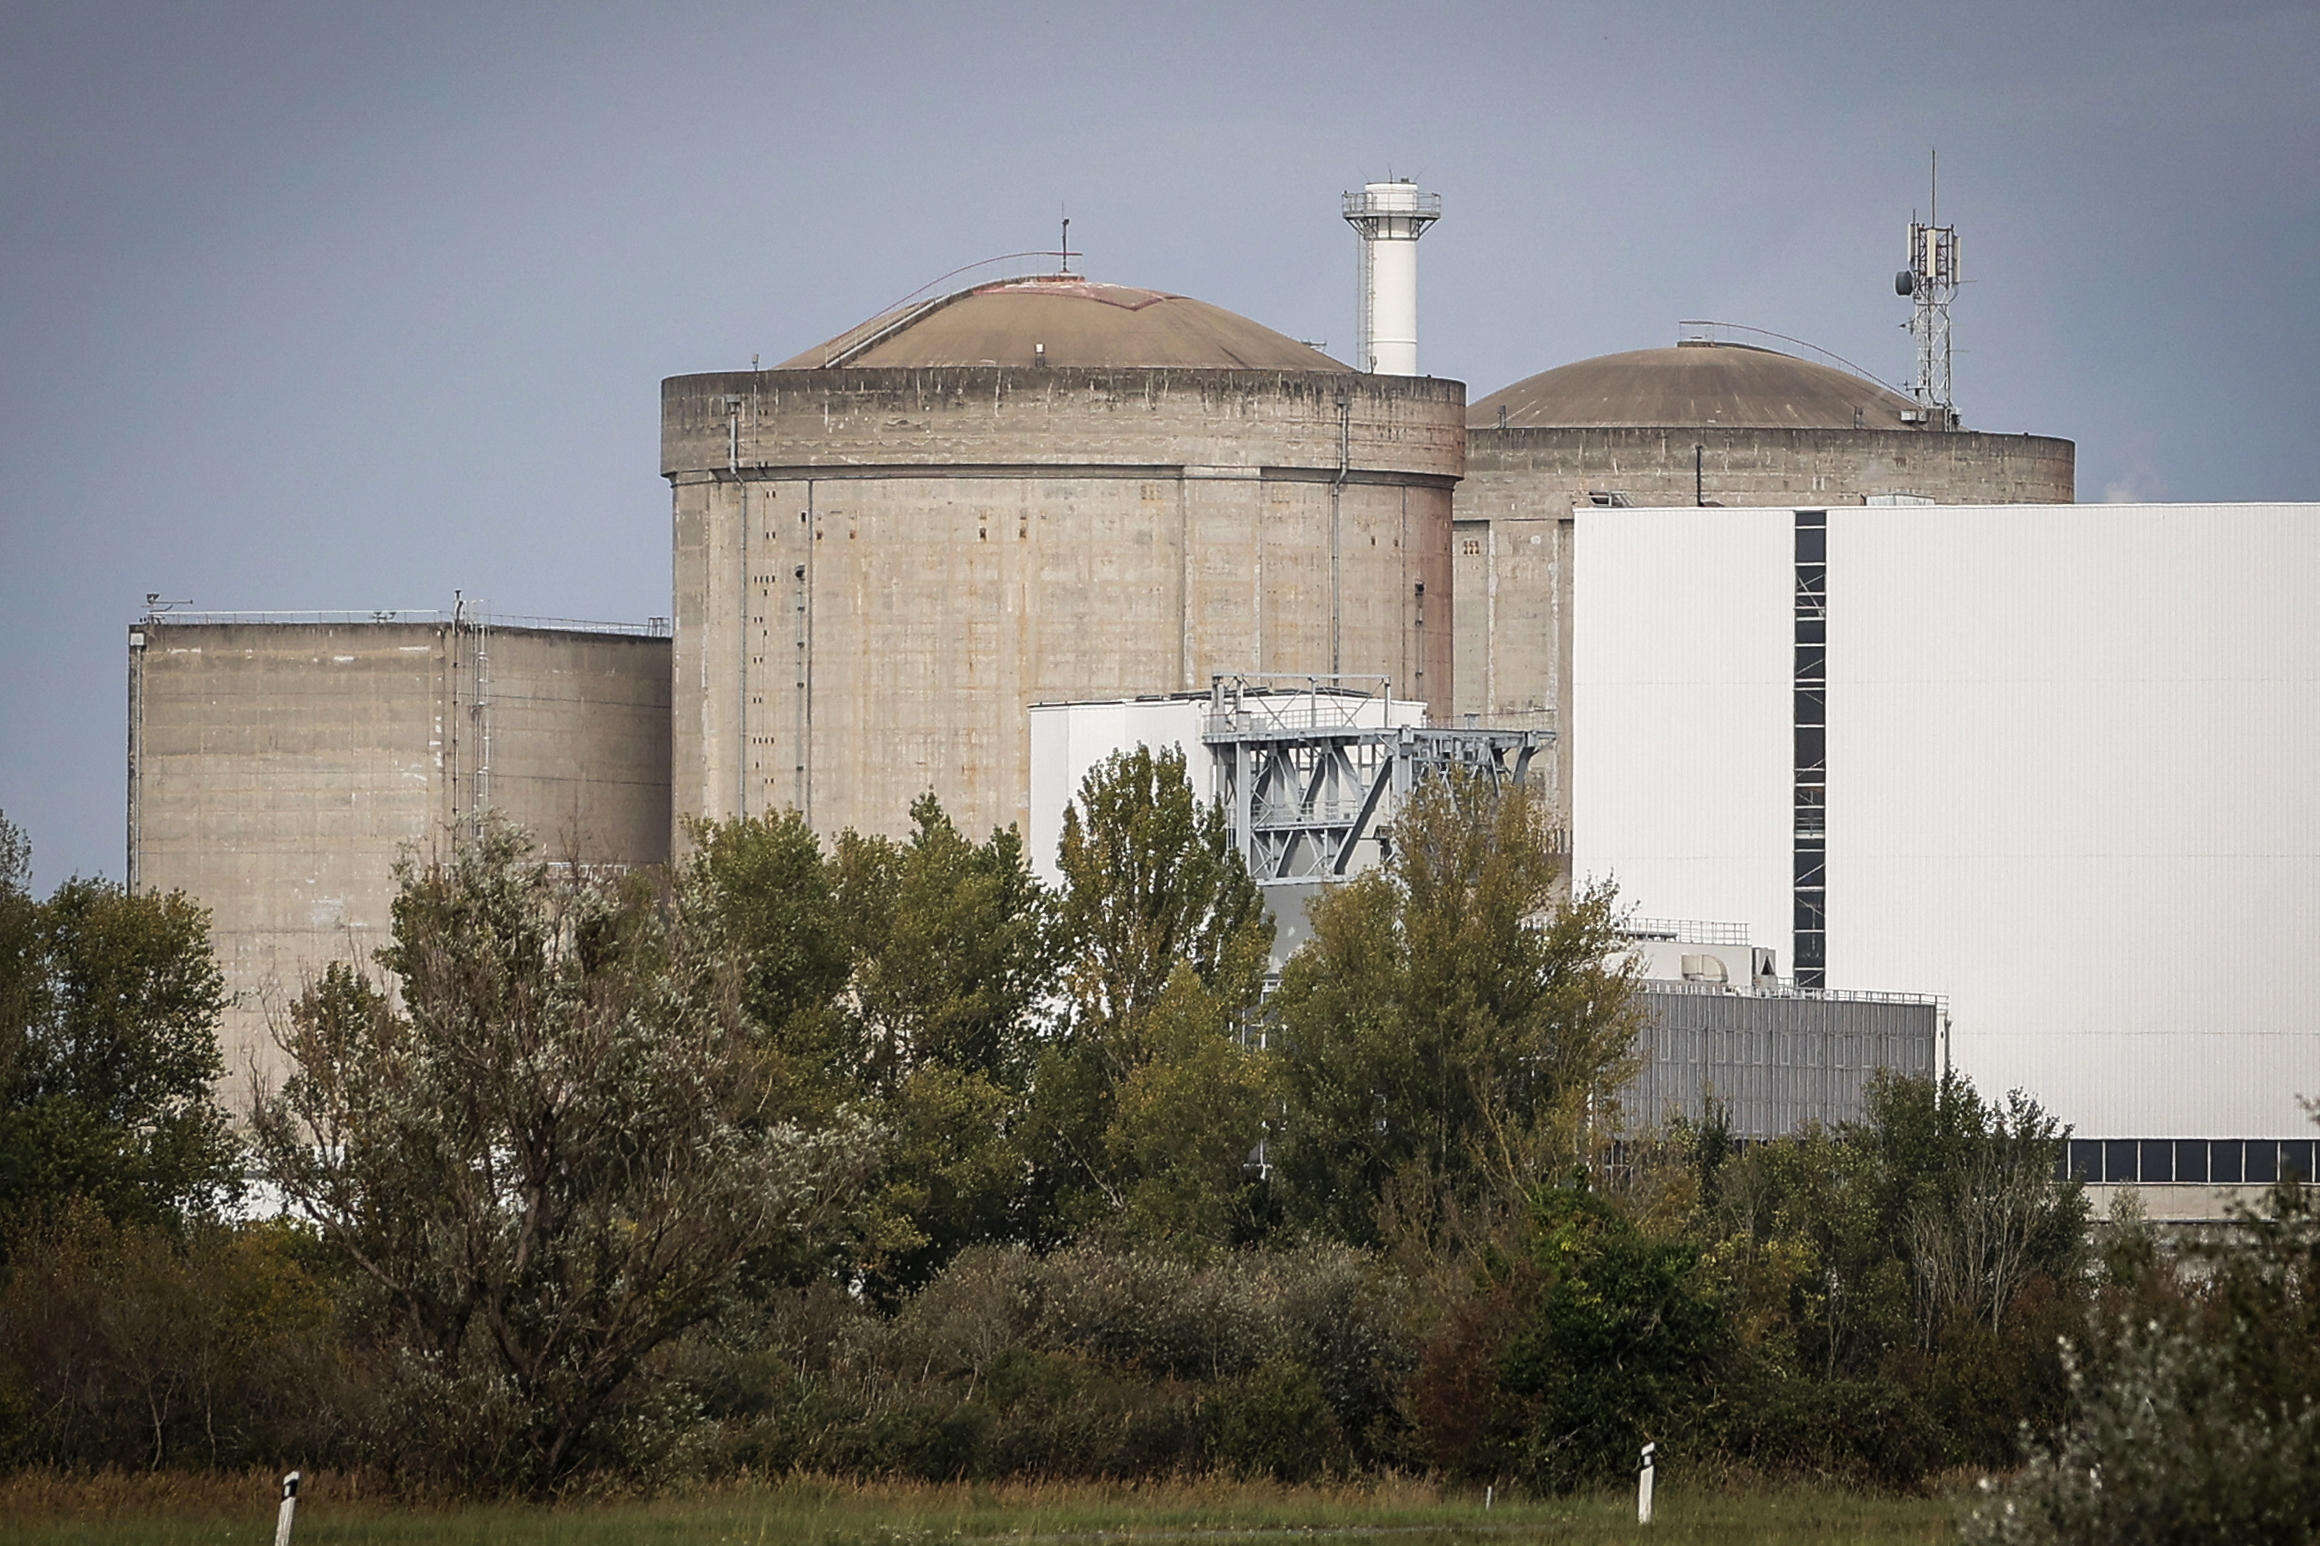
x=556, y=1156
x=1185, y=1122
x=22, y=989
x=761, y=883
x=137, y=1346
x=955, y=954
x=951, y=1174
x=1976, y=1191
x=1168, y=939
x=1621, y=1344
x=1151, y=879
x=2196, y=1418
x=109, y=1006
x=1450, y=1023
x=955, y=946
x=2165, y=1445
x=1913, y=1268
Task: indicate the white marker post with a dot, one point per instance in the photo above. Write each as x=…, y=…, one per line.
x=289, y=1509
x=1643, y=1488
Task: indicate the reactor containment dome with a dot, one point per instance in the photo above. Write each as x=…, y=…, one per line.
x=1731, y=386
x=1039, y=490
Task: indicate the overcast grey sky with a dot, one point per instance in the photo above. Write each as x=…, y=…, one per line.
x=341, y=306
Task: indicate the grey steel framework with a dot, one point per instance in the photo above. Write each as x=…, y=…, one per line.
x=1812, y=746
x=1307, y=763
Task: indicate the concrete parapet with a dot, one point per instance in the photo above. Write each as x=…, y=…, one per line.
x=1513, y=471
x=991, y=416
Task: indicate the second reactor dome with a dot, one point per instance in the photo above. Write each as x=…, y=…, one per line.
x=1724, y=385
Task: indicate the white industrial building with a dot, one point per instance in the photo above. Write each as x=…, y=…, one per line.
x=1308, y=774
x=2054, y=762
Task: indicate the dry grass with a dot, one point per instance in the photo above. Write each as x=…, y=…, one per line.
x=45, y=1509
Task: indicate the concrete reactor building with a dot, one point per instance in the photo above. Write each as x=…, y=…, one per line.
x=1711, y=421
x=1038, y=489
x=1155, y=521
x=280, y=765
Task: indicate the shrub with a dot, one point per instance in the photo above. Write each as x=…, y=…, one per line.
x=1082, y=1363
x=2166, y=1447
x=128, y=1345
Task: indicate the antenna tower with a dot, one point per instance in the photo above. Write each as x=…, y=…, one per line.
x=1930, y=280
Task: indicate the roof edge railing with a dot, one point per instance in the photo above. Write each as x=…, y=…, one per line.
x=650, y=628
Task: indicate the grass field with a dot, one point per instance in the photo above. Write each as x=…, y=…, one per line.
x=137, y=1511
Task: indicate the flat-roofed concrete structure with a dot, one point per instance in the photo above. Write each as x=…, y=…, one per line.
x=280, y=766
x=1040, y=490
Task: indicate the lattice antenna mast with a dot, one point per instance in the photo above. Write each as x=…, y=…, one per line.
x=1930, y=281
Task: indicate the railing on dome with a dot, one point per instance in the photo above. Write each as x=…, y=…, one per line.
x=1703, y=332
x=893, y=319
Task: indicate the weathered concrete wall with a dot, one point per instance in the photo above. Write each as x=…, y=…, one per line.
x=580, y=740
x=1525, y=468
x=879, y=571
x=1513, y=510
x=278, y=771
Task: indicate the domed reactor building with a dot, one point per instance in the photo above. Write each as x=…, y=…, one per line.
x=1706, y=422
x=1033, y=490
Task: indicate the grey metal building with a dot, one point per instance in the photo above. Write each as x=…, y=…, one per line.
x=1774, y=1059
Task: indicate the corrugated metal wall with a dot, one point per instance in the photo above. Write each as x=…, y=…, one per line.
x=1775, y=1063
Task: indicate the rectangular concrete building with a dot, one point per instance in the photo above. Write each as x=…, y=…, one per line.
x=281, y=764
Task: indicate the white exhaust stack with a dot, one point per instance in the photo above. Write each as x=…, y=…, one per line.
x=1390, y=217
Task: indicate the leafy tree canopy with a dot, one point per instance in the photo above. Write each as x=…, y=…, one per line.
x=1449, y=1022
x=109, y=1006
x=559, y=1153
x=1151, y=878
x=1145, y=1110
x=956, y=947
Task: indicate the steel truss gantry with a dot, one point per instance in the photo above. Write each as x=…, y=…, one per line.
x=1307, y=765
